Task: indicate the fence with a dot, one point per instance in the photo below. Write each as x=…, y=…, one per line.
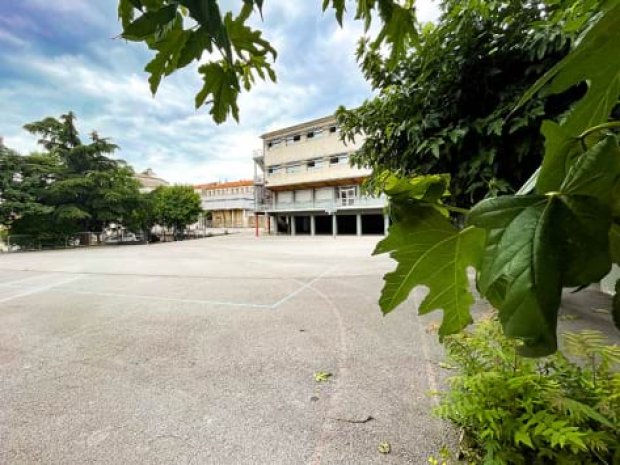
x=25, y=242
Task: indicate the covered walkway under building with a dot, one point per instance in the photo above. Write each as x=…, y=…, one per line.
x=336, y=224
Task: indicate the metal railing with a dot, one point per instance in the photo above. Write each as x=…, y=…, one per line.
x=329, y=205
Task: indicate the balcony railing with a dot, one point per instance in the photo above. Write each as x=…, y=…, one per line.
x=329, y=205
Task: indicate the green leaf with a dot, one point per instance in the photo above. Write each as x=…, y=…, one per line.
x=572, y=405
x=430, y=188
x=168, y=52
x=431, y=252
x=222, y=84
x=321, y=376
x=515, y=253
x=244, y=39
x=197, y=43
x=399, y=29
x=561, y=150
x=595, y=60
x=523, y=437
x=207, y=14
x=258, y=3
x=149, y=23
x=125, y=12
x=596, y=172
x=535, y=246
x=338, y=6
x=137, y=4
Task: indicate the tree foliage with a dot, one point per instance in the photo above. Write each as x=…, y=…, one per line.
x=563, y=233
x=72, y=187
x=175, y=206
x=21, y=181
x=444, y=107
x=511, y=414
x=180, y=32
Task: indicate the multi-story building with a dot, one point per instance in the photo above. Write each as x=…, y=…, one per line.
x=231, y=204
x=308, y=185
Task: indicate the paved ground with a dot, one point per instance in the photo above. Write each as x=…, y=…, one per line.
x=203, y=352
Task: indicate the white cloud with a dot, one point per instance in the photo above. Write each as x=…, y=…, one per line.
x=11, y=39
x=87, y=11
x=427, y=10
x=102, y=81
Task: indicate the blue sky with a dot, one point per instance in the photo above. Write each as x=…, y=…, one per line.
x=57, y=56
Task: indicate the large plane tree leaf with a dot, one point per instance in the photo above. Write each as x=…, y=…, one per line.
x=595, y=61
x=220, y=82
x=431, y=252
x=536, y=245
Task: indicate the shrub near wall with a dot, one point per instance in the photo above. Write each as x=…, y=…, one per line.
x=514, y=410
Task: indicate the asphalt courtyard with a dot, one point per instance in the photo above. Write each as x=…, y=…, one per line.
x=204, y=352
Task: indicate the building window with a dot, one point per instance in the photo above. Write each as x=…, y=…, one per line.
x=275, y=169
x=347, y=196
x=333, y=160
x=293, y=168
x=332, y=129
x=274, y=143
x=293, y=139
x=315, y=164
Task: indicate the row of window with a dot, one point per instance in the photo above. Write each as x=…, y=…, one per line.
x=310, y=165
x=346, y=195
x=229, y=191
x=313, y=133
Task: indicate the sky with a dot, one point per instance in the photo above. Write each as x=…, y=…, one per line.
x=64, y=55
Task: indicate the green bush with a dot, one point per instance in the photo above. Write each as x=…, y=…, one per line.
x=514, y=410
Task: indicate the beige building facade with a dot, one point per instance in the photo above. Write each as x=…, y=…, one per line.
x=306, y=184
x=231, y=204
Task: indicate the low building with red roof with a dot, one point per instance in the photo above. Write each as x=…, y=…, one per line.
x=230, y=203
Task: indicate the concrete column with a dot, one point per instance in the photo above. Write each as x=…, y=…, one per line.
x=334, y=225
x=293, y=231
x=358, y=224
x=312, y=225
x=386, y=224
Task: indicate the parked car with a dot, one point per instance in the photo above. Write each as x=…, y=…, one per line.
x=119, y=239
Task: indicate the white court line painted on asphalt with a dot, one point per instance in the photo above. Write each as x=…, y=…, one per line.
x=431, y=375
x=168, y=299
x=23, y=280
x=163, y=299
x=38, y=290
x=302, y=288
